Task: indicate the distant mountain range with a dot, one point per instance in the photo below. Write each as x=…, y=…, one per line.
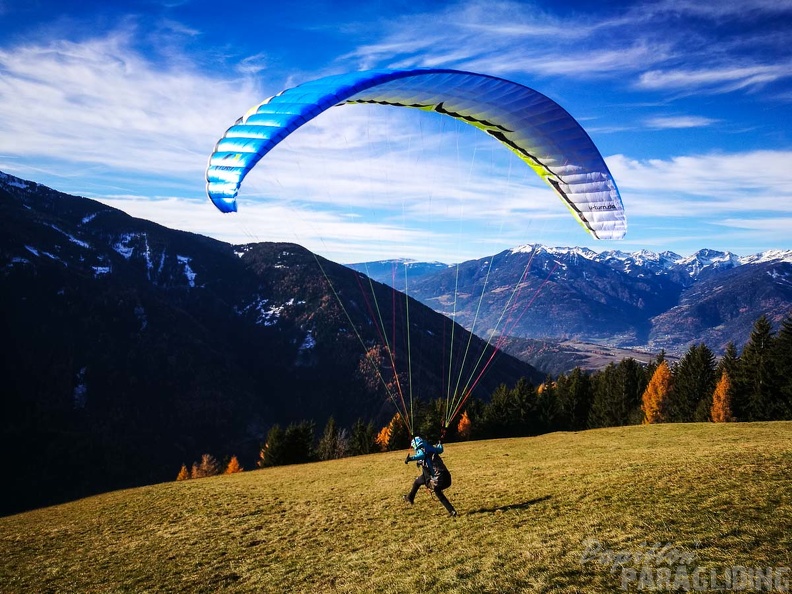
x=131, y=348
x=642, y=300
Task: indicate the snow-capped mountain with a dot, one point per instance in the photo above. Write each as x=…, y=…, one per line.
x=702, y=262
x=641, y=299
x=395, y=272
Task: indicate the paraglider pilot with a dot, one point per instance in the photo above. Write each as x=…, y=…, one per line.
x=434, y=473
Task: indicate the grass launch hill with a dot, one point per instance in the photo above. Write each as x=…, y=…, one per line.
x=537, y=514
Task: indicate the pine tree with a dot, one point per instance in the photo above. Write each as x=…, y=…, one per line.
x=496, y=416
x=656, y=394
x=634, y=382
x=272, y=453
x=524, y=401
x=428, y=420
x=547, y=405
x=209, y=466
x=782, y=356
x=184, y=474
x=328, y=444
x=342, y=443
x=729, y=362
x=195, y=472
x=694, y=382
x=756, y=378
x=362, y=440
x=721, y=400
x=575, y=394
x=510, y=412
x=233, y=466
x=298, y=443
x=616, y=393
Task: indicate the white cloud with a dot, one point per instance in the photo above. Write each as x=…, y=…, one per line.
x=713, y=185
x=510, y=37
x=733, y=9
x=723, y=79
x=778, y=224
x=99, y=102
x=662, y=122
x=654, y=45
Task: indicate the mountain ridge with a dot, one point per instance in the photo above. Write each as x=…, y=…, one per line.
x=641, y=299
x=136, y=348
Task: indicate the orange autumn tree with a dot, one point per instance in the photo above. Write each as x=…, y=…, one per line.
x=184, y=474
x=655, y=397
x=464, y=427
x=394, y=435
x=721, y=400
x=383, y=438
x=233, y=466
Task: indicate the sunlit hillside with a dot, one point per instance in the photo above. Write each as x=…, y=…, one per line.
x=540, y=514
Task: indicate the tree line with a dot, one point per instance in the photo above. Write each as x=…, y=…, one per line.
x=754, y=384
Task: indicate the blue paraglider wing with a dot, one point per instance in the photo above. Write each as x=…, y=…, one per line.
x=537, y=129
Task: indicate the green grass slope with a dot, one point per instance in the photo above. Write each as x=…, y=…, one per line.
x=529, y=508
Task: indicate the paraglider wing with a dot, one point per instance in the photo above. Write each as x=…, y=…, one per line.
x=530, y=124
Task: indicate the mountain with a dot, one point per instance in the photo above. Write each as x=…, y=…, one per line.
x=641, y=300
x=398, y=272
x=132, y=348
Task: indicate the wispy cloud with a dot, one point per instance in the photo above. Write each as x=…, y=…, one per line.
x=99, y=101
x=711, y=186
x=677, y=122
x=656, y=45
x=741, y=10
x=716, y=80
x=775, y=224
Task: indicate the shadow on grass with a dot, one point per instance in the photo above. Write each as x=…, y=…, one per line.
x=513, y=506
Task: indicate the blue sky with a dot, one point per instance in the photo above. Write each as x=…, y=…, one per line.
x=689, y=102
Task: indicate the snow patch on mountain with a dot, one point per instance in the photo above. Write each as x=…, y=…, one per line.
x=126, y=245
x=188, y=272
x=70, y=237
x=122, y=245
x=147, y=255
x=270, y=315
x=309, y=342
x=267, y=314
x=241, y=250
x=13, y=182
x=782, y=278
x=38, y=253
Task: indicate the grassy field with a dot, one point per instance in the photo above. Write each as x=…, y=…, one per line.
x=529, y=510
